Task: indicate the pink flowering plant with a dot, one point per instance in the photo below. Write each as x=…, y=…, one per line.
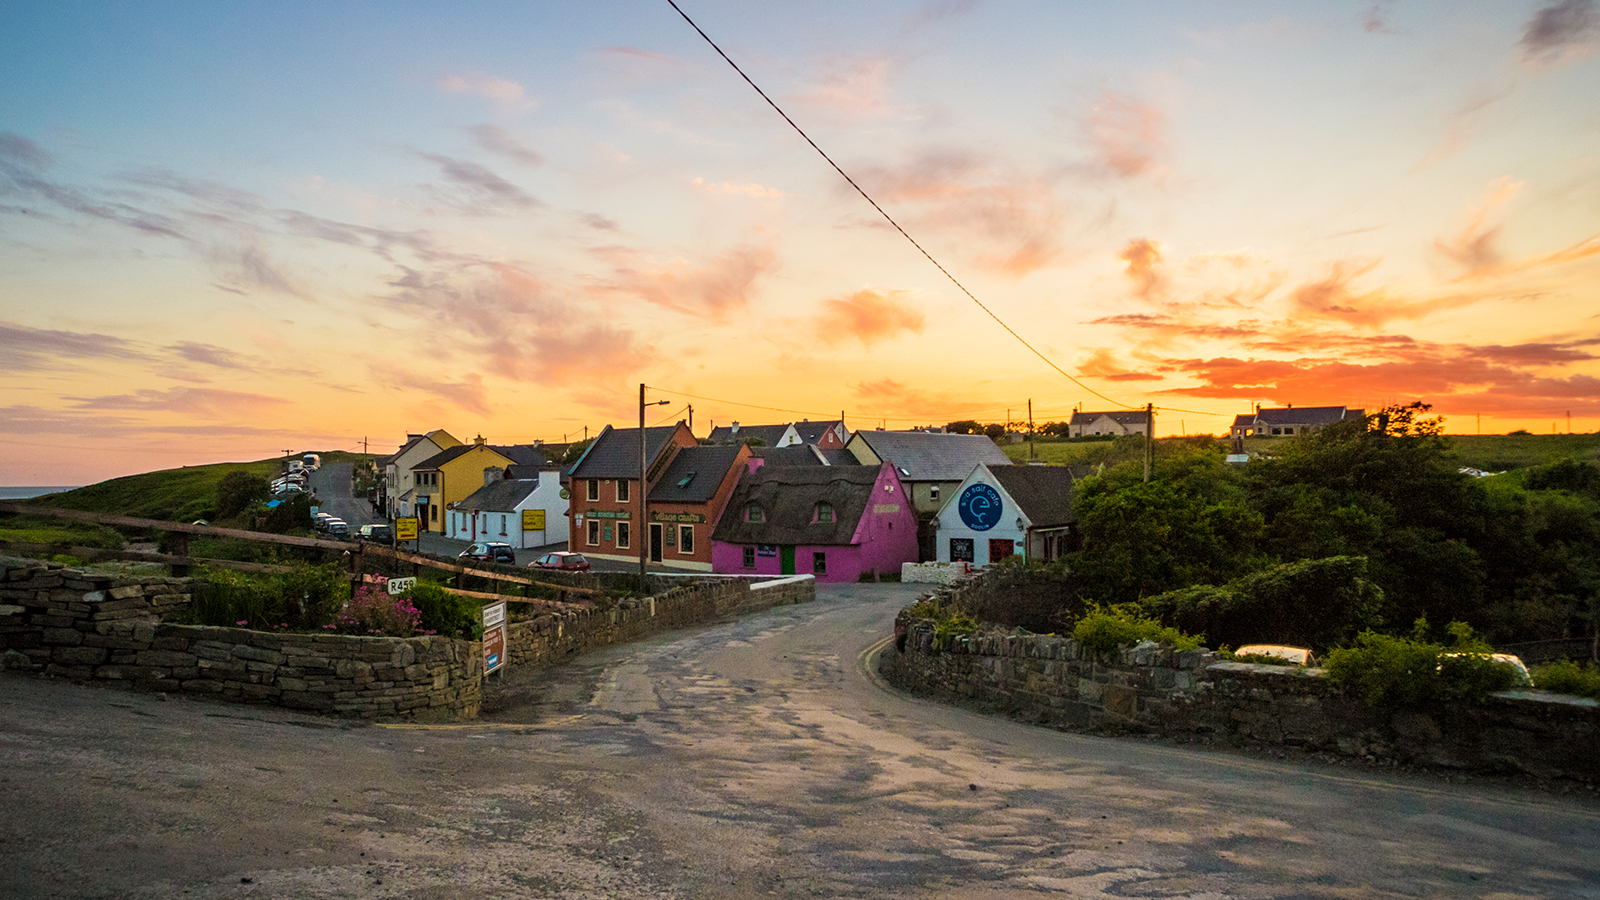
x=371, y=611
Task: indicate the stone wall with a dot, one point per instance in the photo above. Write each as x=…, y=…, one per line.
x=106, y=629
x=550, y=638
x=1050, y=680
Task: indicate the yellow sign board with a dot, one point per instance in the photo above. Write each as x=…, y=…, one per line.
x=533, y=520
x=405, y=528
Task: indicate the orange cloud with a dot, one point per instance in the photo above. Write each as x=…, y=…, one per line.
x=868, y=316
x=1142, y=256
x=1128, y=137
x=1473, y=246
x=715, y=288
x=1102, y=365
x=469, y=393
x=852, y=87
x=207, y=402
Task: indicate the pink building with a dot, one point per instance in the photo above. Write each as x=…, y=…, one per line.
x=834, y=522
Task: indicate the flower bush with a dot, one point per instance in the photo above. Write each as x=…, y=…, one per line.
x=372, y=611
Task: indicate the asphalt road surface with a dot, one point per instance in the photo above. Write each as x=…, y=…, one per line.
x=749, y=759
x=331, y=483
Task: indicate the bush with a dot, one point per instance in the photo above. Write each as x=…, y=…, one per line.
x=237, y=490
x=1405, y=673
x=1103, y=630
x=304, y=599
x=372, y=611
x=443, y=613
x=1312, y=603
x=1567, y=677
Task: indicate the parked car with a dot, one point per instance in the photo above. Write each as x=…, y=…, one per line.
x=489, y=551
x=377, y=533
x=1300, y=656
x=561, y=562
x=338, y=528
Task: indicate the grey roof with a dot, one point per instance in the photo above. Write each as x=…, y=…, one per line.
x=498, y=496
x=798, y=455
x=921, y=456
x=788, y=496
x=837, y=456
x=1120, y=416
x=770, y=435
x=694, y=474
x=811, y=431
x=521, y=454
x=442, y=457
x=1043, y=492
x=615, y=452
x=1301, y=415
x=515, y=472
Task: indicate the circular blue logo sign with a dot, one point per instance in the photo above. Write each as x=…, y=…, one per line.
x=980, y=507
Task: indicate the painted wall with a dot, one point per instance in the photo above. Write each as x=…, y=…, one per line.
x=459, y=477
x=991, y=507
x=466, y=525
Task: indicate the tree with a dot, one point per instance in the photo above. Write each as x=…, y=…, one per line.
x=965, y=426
x=994, y=431
x=237, y=490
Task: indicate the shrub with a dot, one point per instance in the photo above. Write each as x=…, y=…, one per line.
x=1102, y=630
x=1567, y=677
x=302, y=599
x=1311, y=603
x=1403, y=673
x=441, y=612
x=372, y=611
x=237, y=490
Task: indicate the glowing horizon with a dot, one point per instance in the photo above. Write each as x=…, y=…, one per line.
x=224, y=232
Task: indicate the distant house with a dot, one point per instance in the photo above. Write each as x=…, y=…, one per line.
x=782, y=435
x=399, y=484
x=1115, y=422
x=688, y=499
x=930, y=465
x=605, y=489
x=446, y=478
x=523, y=511
x=1003, y=511
x=834, y=522
x=829, y=434
x=1290, y=420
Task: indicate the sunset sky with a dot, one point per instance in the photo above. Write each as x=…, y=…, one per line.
x=227, y=230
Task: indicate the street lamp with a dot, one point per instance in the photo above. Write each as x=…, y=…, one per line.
x=644, y=488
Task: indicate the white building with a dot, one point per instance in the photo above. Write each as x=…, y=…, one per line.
x=1003, y=511
x=526, y=512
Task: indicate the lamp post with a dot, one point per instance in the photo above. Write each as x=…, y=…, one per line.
x=644, y=488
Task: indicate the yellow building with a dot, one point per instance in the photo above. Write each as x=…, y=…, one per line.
x=451, y=476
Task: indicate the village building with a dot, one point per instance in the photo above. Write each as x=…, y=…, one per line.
x=688, y=499
x=1290, y=420
x=527, y=510
x=782, y=435
x=828, y=434
x=399, y=483
x=446, y=478
x=837, y=523
x=930, y=465
x=604, y=483
x=1003, y=511
x=1115, y=422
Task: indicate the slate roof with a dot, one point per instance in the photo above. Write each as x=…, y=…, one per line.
x=703, y=467
x=525, y=473
x=788, y=496
x=811, y=432
x=921, y=456
x=521, y=454
x=1043, y=492
x=615, y=452
x=1120, y=416
x=1297, y=415
x=798, y=455
x=497, y=496
x=770, y=435
x=837, y=456
x=439, y=459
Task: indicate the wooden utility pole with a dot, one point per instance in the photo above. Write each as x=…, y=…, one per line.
x=1149, y=439
x=645, y=537
x=1033, y=451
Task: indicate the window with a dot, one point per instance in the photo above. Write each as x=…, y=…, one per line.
x=594, y=489
x=823, y=514
x=502, y=524
x=961, y=550
x=819, y=563
x=754, y=513
x=933, y=492
x=622, y=490
x=749, y=557
x=624, y=536
x=594, y=532
x=435, y=513
x=685, y=539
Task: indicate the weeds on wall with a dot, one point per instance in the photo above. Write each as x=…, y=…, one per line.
x=1387, y=672
x=1568, y=677
x=1104, y=629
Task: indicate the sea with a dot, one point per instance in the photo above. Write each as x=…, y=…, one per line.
x=27, y=491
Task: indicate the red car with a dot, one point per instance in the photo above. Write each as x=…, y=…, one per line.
x=561, y=562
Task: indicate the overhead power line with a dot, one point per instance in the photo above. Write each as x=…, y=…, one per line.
x=888, y=218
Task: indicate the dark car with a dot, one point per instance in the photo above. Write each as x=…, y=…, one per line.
x=561, y=562
x=382, y=533
x=489, y=551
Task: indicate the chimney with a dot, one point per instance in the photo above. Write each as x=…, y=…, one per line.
x=479, y=441
x=734, y=430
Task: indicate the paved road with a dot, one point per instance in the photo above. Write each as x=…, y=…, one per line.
x=331, y=483
x=757, y=758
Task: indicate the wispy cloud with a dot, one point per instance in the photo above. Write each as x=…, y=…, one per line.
x=1104, y=365
x=207, y=402
x=35, y=349
x=869, y=316
x=1561, y=31
x=1473, y=247
x=852, y=87
x=715, y=288
x=749, y=190
x=498, y=140
x=468, y=394
x=475, y=189
x=1128, y=136
x=505, y=92
x=1143, y=257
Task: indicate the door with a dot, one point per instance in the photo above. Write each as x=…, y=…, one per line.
x=655, y=542
x=788, y=560
x=999, y=548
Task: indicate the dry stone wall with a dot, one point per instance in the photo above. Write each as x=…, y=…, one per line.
x=1051, y=680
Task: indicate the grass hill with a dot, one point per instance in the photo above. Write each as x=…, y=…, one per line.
x=1489, y=452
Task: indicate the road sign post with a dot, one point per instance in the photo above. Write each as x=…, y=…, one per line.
x=494, y=637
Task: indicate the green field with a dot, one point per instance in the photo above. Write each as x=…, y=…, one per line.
x=1489, y=452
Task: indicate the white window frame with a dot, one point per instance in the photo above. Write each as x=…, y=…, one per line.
x=592, y=491
x=624, y=492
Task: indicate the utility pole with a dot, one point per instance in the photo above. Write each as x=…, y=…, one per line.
x=642, y=538
x=1033, y=451
x=1149, y=439
x=691, y=418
